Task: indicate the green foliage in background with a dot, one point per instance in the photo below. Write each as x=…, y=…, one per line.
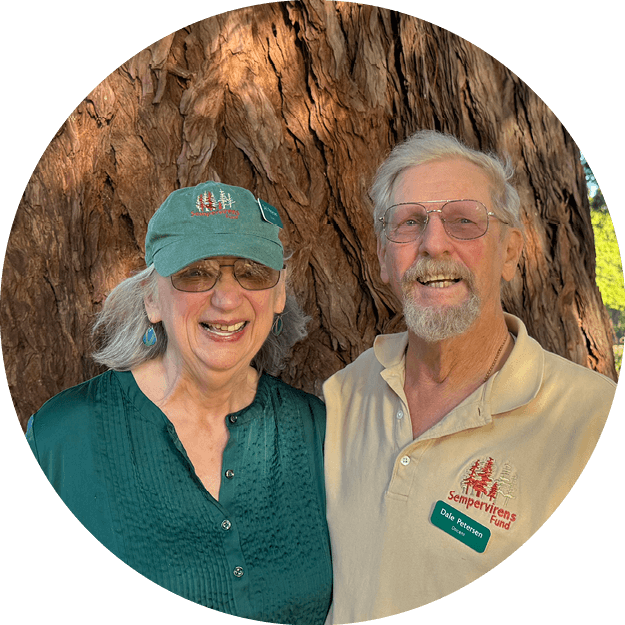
x=609, y=266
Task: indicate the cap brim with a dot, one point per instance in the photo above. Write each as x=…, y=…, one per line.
x=180, y=252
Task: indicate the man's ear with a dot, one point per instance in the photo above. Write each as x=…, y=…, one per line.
x=513, y=246
x=382, y=259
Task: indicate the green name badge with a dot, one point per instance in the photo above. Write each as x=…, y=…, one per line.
x=460, y=526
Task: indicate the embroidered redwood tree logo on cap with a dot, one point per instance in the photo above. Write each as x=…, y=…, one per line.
x=207, y=204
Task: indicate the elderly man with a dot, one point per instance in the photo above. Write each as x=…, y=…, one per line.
x=448, y=445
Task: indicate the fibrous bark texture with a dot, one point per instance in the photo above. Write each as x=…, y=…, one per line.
x=299, y=102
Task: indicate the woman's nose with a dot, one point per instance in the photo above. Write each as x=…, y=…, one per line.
x=226, y=293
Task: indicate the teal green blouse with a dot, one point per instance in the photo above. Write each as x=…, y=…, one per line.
x=262, y=551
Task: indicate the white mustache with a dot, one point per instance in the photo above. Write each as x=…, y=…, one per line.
x=428, y=269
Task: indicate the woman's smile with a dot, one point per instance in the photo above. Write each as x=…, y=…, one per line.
x=224, y=329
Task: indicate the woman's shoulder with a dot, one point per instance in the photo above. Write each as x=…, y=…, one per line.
x=66, y=441
x=78, y=396
x=289, y=393
x=292, y=400
x=72, y=409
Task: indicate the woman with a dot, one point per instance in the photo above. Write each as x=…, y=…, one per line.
x=184, y=459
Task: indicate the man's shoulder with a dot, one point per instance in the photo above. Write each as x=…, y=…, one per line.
x=361, y=368
x=570, y=375
x=576, y=383
x=387, y=351
x=366, y=359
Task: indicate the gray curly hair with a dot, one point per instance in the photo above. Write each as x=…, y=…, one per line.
x=120, y=326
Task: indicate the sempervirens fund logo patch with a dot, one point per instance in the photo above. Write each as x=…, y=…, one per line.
x=207, y=204
x=489, y=488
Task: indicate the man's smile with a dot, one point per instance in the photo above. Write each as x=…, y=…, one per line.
x=439, y=281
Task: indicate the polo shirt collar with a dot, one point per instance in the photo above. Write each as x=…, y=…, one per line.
x=515, y=385
x=520, y=379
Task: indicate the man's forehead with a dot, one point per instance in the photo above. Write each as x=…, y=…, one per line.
x=445, y=179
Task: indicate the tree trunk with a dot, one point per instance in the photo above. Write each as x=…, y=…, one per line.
x=299, y=102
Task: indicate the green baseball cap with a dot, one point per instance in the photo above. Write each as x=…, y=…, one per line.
x=212, y=219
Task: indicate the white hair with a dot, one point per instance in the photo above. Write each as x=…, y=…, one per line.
x=430, y=145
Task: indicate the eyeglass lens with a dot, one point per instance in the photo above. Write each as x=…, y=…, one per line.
x=203, y=275
x=462, y=219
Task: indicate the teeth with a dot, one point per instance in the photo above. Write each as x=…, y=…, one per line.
x=443, y=277
x=439, y=281
x=218, y=327
x=441, y=284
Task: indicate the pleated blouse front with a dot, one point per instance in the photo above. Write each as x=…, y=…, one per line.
x=261, y=551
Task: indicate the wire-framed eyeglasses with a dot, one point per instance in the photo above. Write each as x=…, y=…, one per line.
x=204, y=274
x=462, y=219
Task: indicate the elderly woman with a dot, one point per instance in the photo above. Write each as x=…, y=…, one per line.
x=186, y=459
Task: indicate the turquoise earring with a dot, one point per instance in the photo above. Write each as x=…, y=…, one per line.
x=277, y=326
x=150, y=338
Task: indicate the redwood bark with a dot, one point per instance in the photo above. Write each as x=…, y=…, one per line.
x=299, y=102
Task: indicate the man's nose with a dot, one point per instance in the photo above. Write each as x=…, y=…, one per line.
x=434, y=239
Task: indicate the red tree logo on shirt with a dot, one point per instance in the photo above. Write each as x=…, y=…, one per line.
x=494, y=489
x=489, y=489
x=479, y=479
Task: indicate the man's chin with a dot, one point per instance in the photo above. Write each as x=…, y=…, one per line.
x=440, y=322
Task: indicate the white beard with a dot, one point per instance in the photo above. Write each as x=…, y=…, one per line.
x=437, y=323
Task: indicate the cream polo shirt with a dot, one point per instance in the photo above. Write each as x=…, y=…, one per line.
x=504, y=459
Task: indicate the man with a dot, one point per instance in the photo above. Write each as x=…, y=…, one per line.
x=449, y=445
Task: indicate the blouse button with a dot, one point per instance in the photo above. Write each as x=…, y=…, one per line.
x=229, y=474
x=226, y=525
x=238, y=571
x=400, y=414
x=405, y=460
x=233, y=418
